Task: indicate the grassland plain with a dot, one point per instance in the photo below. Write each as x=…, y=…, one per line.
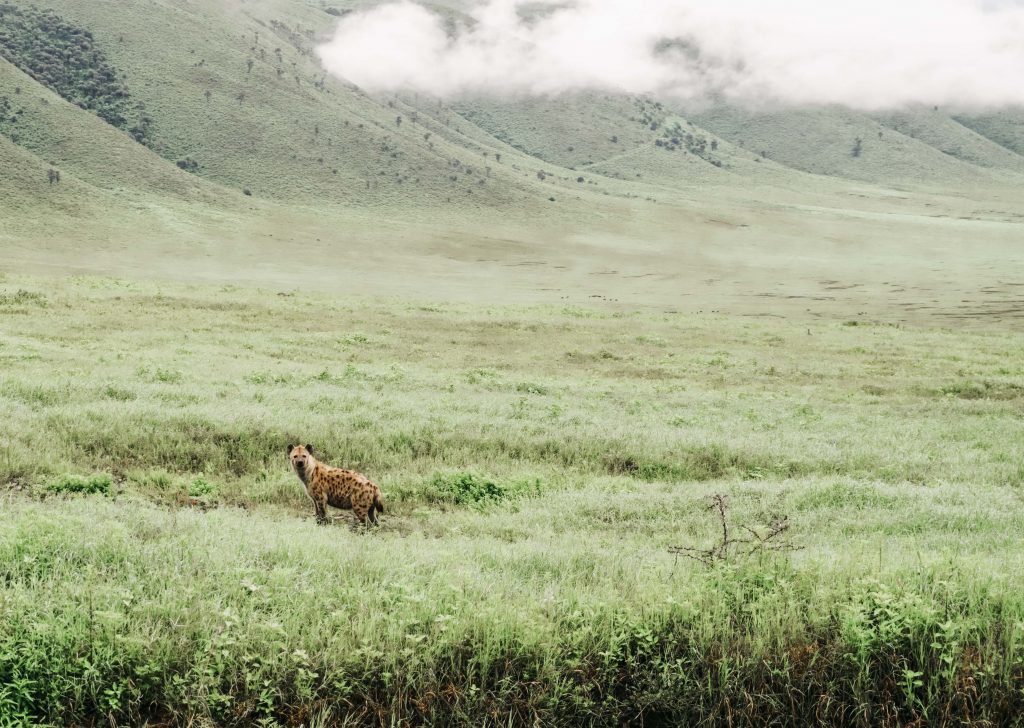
x=538, y=462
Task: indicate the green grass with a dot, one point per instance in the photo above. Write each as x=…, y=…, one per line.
x=537, y=463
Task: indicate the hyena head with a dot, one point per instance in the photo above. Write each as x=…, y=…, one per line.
x=301, y=457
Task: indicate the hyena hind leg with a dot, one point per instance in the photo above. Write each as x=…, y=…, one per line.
x=361, y=512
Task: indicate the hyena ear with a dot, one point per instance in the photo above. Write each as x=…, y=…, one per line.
x=290, y=448
x=309, y=448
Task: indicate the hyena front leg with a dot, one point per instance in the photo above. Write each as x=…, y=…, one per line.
x=320, y=504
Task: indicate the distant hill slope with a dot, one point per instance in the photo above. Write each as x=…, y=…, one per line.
x=1004, y=127
x=83, y=145
x=953, y=138
x=887, y=149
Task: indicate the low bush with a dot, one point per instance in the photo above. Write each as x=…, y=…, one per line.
x=87, y=485
x=467, y=488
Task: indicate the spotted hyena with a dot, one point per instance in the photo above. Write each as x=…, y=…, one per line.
x=336, y=487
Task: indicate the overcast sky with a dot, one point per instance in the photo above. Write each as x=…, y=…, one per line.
x=868, y=54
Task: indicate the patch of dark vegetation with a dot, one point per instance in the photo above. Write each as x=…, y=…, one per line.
x=112, y=391
x=854, y=495
x=66, y=58
x=36, y=395
x=21, y=297
x=86, y=485
x=467, y=488
x=9, y=117
x=187, y=444
x=653, y=116
x=701, y=462
x=982, y=389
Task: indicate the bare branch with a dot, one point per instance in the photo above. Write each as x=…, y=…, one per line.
x=773, y=537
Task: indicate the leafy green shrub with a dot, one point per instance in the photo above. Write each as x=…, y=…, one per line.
x=200, y=487
x=466, y=488
x=88, y=485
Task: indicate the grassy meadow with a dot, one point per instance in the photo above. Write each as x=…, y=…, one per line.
x=159, y=563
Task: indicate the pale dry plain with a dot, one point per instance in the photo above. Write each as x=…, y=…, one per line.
x=828, y=248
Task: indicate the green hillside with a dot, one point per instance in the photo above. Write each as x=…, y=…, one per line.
x=275, y=126
x=234, y=95
x=84, y=146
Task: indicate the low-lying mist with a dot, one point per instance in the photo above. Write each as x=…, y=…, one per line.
x=870, y=54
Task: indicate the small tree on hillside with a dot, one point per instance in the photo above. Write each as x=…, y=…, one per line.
x=53, y=176
x=858, y=144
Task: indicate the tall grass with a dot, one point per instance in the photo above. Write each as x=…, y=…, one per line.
x=131, y=613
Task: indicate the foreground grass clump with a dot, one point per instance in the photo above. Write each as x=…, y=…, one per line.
x=538, y=467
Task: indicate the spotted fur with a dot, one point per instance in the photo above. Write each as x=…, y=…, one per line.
x=328, y=486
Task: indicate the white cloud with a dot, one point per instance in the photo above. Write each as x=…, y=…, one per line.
x=867, y=54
